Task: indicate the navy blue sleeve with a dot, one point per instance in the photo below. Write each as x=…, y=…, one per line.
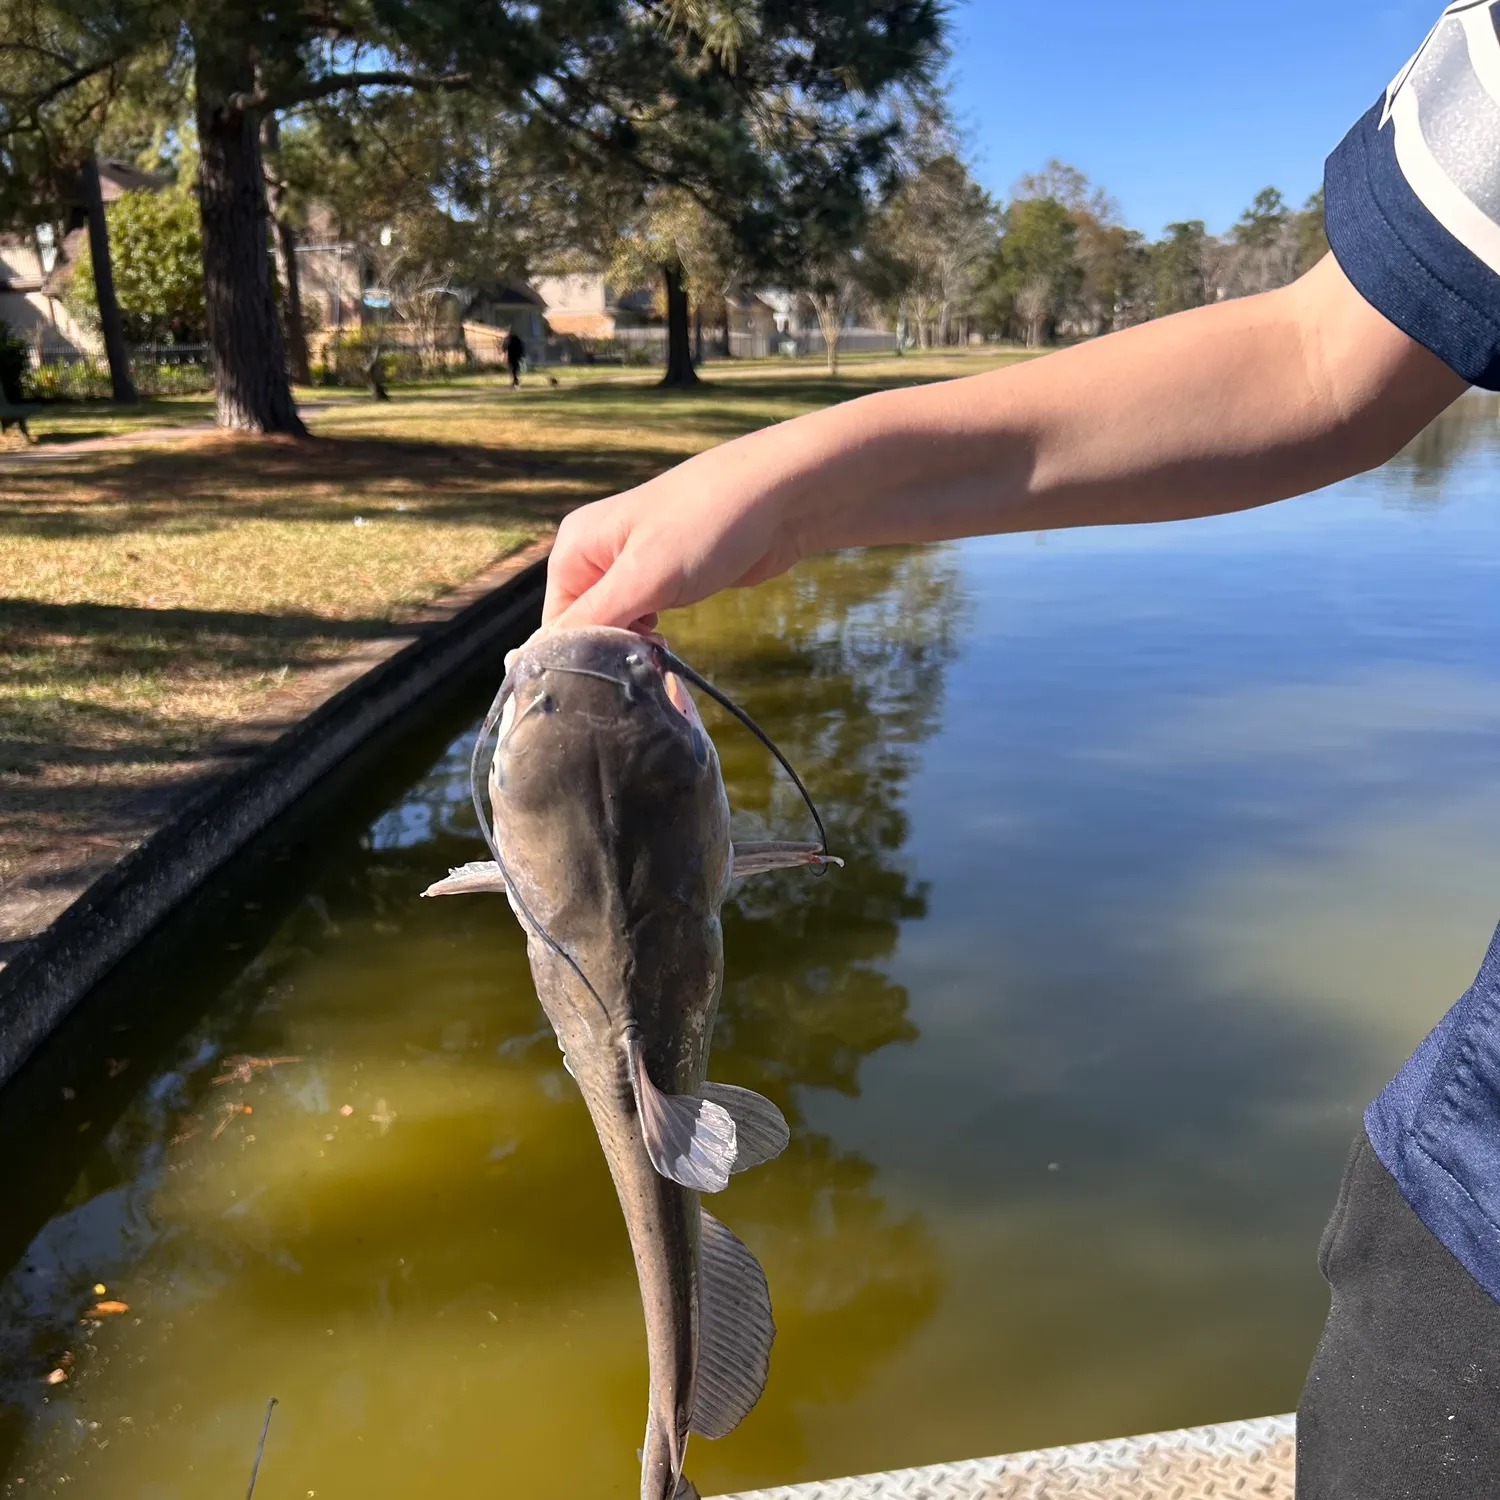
x=1413, y=195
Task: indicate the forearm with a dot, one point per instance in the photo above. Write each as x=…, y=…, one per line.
x=1213, y=410
x=1217, y=409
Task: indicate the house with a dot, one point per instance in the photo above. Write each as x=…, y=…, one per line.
x=332, y=275
x=750, y=315
x=504, y=305
x=35, y=268
x=586, y=305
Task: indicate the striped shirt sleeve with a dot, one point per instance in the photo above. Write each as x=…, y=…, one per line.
x=1413, y=195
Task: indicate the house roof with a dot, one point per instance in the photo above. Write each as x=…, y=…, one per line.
x=583, y=325
x=116, y=177
x=509, y=294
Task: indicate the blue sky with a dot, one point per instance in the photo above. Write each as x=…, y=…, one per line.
x=1181, y=110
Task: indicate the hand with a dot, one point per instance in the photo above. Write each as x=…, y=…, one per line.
x=714, y=522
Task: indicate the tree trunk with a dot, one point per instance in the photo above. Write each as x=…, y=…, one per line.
x=828, y=326
x=680, y=370
x=251, y=389
x=698, y=334
x=122, y=387
x=293, y=329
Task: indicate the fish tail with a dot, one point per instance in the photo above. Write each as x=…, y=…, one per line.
x=661, y=1464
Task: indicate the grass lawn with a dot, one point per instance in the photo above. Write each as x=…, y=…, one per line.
x=156, y=594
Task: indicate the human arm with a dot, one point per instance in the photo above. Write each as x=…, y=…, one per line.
x=1212, y=410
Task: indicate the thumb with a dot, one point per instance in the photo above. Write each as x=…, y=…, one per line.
x=621, y=596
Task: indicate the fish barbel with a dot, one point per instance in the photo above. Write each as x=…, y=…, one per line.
x=611, y=840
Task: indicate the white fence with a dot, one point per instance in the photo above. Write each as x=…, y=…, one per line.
x=649, y=346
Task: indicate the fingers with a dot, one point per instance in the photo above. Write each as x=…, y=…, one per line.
x=624, y=595
x=586, y=546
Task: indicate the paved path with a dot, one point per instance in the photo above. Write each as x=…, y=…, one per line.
x=146, y=436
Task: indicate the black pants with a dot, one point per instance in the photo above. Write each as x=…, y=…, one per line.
x=1403, y=1398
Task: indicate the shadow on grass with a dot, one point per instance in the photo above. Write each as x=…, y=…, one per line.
x=215, y=481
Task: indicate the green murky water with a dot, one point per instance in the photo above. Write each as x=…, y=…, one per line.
x=1164, y=847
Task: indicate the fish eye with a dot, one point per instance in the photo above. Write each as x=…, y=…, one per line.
x=700, y=746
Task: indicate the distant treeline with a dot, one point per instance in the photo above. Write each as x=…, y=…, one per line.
x=1056, y=262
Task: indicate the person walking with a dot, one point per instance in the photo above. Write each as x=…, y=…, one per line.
x=514, y=350
x=1212, y=410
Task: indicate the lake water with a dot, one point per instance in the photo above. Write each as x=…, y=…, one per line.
x=1165, y=846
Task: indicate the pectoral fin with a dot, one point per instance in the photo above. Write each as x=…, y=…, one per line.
x=760, y=1132
x=689, y=1140
x=756, y=859
x=481, y=875
x=735, y=1331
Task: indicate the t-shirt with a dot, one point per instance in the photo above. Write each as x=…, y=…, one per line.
x=1413, y=202
x=1413, y=195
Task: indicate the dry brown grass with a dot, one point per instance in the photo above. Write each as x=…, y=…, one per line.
x=154, y=595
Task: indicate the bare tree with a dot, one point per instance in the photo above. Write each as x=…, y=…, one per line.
x=835, y=293
x=1034, y=303
x=941, y=226
x=418, y=292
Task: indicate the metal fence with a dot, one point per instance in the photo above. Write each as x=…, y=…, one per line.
x=648, y=346
x=61, y=372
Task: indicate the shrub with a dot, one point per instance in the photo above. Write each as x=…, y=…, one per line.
x=156, y=253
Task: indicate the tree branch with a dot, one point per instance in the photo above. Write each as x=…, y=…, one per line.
x=34, y=102
x=338, y=83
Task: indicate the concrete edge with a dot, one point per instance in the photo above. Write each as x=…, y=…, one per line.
x=259, y=773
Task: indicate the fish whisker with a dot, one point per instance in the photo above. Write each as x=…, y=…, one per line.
x=724, y=701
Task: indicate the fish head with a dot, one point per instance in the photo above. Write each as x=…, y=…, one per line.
x=601, y=744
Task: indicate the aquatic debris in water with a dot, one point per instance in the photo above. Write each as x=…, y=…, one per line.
x=265, y=1427
x=611, y=841
x=241, y=1069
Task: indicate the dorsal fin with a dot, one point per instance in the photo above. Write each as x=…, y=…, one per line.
x=735, y=1331
x=760, y=1132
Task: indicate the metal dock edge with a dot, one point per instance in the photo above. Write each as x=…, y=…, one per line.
x=1234, y=1459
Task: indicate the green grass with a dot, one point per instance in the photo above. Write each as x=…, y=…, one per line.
x=157, y=594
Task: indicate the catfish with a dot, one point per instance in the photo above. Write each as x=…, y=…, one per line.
x=611, y=839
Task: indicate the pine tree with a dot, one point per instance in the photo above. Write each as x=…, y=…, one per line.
x=763, y=112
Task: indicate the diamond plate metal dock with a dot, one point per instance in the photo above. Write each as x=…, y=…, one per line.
x=1232, y=1461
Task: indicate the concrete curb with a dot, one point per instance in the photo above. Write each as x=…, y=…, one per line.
x=251, y=779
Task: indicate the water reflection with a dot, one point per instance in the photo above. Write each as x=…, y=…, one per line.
x=1164, y=846
x=355, y=1175
x=1470, y=430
